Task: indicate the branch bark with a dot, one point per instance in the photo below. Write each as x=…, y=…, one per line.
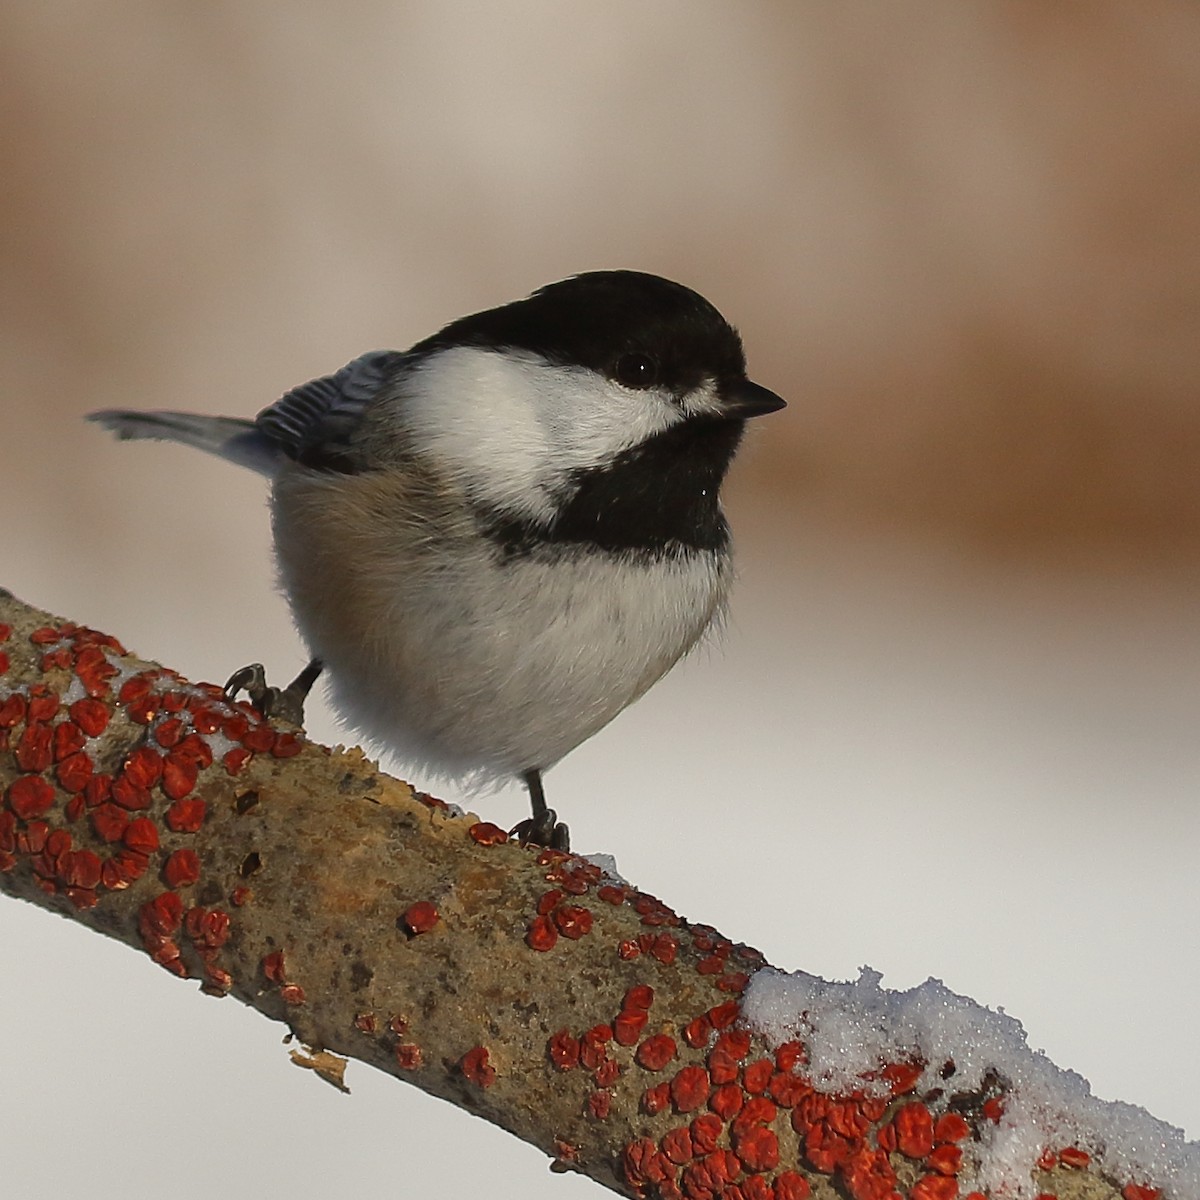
x=579, y=1013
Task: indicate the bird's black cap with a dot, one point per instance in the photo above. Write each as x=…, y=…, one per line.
x=600, y=318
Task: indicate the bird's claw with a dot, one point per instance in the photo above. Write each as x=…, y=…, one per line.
x=546, y=830
x=285, y=704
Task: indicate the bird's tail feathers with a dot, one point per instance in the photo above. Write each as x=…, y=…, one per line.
x=239, y=441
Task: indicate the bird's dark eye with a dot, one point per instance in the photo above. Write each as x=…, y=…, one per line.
x=636, y=370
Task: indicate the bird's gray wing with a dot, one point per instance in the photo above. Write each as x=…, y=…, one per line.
x=315, y=422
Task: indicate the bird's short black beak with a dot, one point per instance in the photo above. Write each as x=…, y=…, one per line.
x=743, y=399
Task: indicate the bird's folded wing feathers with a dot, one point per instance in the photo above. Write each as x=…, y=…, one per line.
x=314, y=423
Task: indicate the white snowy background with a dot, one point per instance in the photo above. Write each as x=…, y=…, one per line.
x=951, y=728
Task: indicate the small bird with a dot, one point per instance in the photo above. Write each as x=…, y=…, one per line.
x=495, y=541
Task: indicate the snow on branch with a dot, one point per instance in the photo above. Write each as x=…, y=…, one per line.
x=527, y=986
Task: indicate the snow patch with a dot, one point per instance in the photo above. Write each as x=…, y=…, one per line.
x=608, y=865
x=852, y=1030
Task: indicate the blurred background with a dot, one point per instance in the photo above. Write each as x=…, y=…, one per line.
x=951, y=728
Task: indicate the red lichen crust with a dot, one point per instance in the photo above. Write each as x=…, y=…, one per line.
x=476, y=1067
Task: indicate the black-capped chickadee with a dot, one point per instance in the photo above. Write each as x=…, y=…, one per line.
x=496, y=540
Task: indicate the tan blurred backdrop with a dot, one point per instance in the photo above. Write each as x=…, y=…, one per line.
x=963, y=240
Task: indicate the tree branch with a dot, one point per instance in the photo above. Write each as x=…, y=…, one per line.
x=571, y=1009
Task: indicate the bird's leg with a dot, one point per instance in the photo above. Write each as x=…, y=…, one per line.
x=543, y=828
x=286, y=703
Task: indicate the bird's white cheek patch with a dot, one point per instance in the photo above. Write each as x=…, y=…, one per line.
x=476, y=419
x=606, y=418
x=513, y=428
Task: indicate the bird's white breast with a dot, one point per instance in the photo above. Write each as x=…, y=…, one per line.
x=457, y=658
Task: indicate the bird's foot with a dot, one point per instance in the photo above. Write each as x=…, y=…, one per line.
x=543, y=830
x=287, y=704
